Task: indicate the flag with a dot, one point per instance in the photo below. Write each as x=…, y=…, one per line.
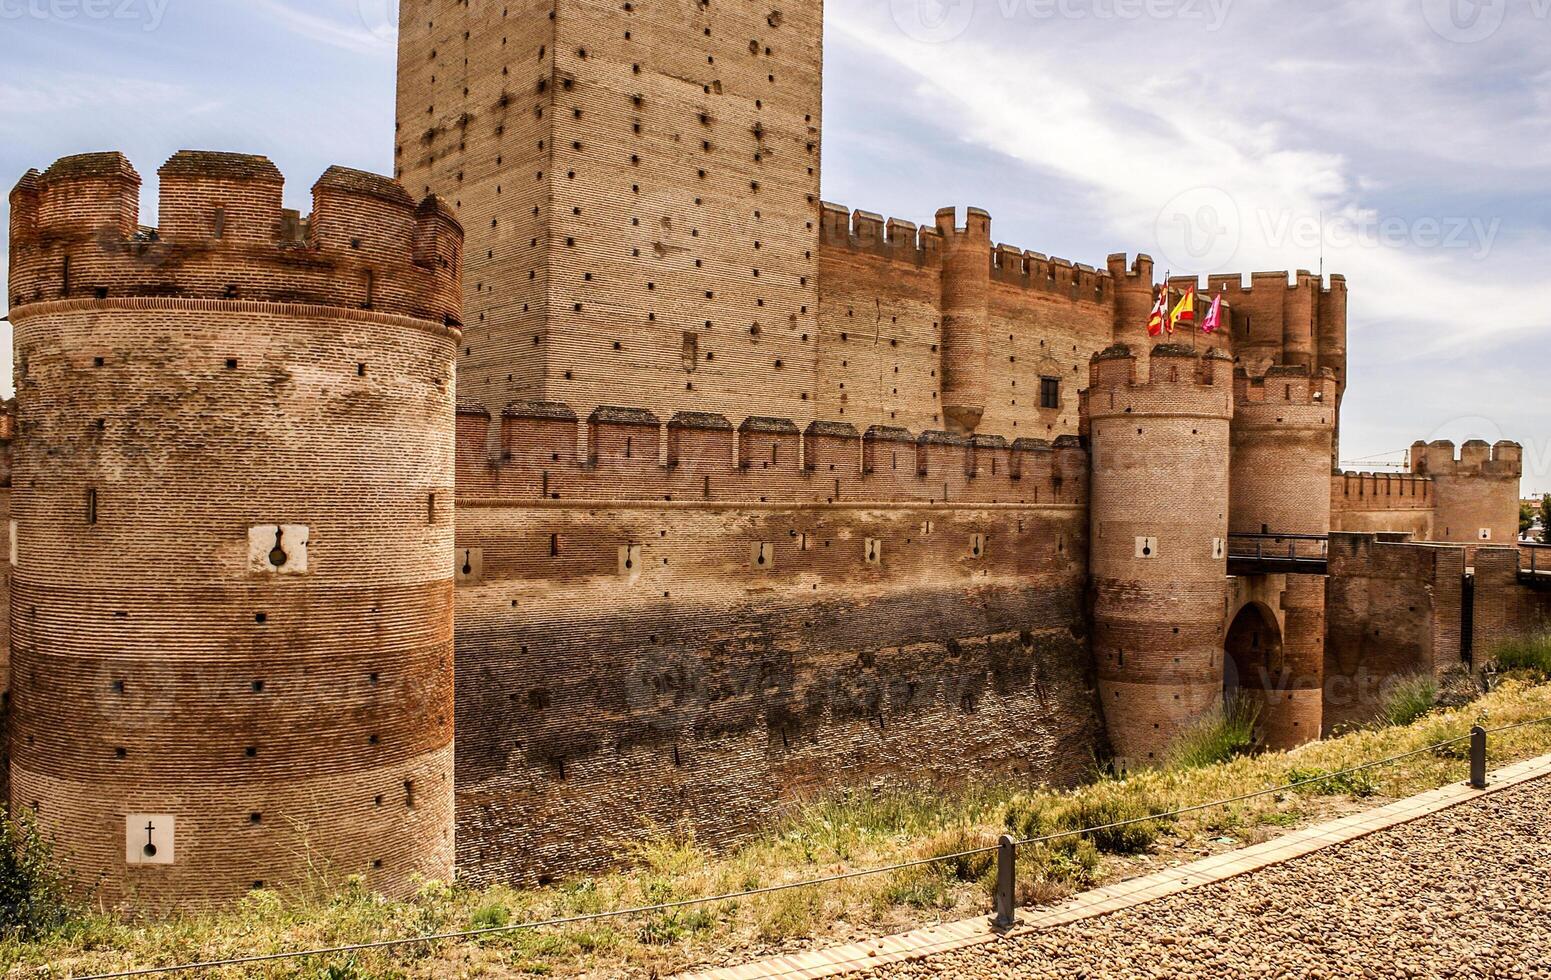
x=1185, y=310
x=1160, y=309
x=1213, y=319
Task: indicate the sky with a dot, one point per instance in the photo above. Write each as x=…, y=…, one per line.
x=1402, y=142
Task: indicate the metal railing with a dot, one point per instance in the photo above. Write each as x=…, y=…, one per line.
x=1539, y=558
x=1005, y=905
x=1284, y=547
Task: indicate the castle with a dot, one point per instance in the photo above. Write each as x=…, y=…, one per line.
x=675, y=493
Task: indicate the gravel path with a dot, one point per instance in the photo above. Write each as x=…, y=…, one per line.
x=1462, y=893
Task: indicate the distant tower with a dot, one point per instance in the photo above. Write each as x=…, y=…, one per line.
x=1475, y=496
x=231, y=530
x=640, y=187
x=1134, y=293
x=1283, y=427
x=966, y=287
x=1159, y=512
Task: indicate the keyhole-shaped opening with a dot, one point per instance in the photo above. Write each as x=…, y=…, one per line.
x=468, y=564
x=277, y=556
x=150, y=850
x=1147, y=551
x=761, y=558
x=872, y=554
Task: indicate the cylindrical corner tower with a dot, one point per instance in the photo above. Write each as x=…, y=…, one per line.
x=1159, y=511
x=966, y=287
x=1134, y=292
x=1283, y=429
x=232, y=529
x=1476, y=496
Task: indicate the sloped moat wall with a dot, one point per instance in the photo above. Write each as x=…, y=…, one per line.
x=625, y=670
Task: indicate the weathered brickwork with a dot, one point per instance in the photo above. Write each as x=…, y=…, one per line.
x=1505, y=608
x=1394, y=609
x=1159, y=540
x=1283, y=430
x=1477, y=492
x=231, y=602
x=768, y=616
x=640, y=184
x=750, y=498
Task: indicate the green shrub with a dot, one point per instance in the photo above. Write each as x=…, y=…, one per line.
x=34, y=890
x=1531, y=655
x=1359, y=784
x=1410, y=698
x=1219, y=735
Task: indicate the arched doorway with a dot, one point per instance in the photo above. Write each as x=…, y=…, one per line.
x=1253, y=662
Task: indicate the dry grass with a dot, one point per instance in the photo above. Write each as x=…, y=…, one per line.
x=857, y=831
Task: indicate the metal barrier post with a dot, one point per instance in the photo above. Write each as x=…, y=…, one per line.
x=1478, y=758
x=1006, y=882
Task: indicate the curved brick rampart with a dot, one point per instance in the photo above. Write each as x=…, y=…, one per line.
x=1158, y=541
x=1283, y=429
x=231, y=597
x=1476, y=494
x=224, y=234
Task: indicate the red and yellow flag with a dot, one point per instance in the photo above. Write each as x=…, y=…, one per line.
x=1185, y=310
x=1160, y=312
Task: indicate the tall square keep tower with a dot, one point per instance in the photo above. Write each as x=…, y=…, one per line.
x=639, y=181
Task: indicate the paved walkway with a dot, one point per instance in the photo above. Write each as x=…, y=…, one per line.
x=1451, y=883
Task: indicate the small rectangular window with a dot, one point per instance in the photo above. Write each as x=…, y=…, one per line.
x=430, y=508
x=65, y=275
x=1049, y=392
x=91, y=506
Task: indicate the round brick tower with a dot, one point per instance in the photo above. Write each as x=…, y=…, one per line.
x=232, y=594
x=1476, y=496
x=1159, y=511
x=1134, y=292
x=1283, y=430
x=966, y=287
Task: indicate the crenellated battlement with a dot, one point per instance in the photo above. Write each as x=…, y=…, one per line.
x=1289, y=282
x=1177, y=374
x=629, y=454
x=1359, y=491
x=224, y=234
x=1286, y=386
x=1504, y=460
x=922, y=245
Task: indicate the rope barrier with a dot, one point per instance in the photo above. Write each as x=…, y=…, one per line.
x=468, y=934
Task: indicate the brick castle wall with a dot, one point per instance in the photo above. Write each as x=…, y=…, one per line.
x=768, y=616
x=1282, y=445
x=230, y=597
x=1476, y=492
x=1158, y=550
x=640, y=185
x=1394, y=608
x=1505, y=608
